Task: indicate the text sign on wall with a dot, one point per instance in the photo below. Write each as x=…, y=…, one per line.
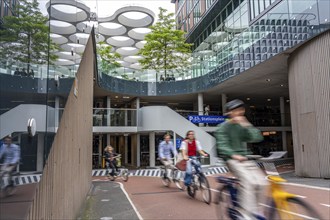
x=210, y=119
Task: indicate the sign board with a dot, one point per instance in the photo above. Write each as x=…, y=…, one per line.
x=178, y=143
x=209, y=119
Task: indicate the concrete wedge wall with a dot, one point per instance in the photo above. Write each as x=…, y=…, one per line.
x=66, y=176
x=309, y=82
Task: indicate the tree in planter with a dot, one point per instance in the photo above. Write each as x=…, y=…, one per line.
x=166, y=48
x=108, y=59
x=25, y=36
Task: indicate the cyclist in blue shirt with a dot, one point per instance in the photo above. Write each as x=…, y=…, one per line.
x=11, y=154
x=165, y=151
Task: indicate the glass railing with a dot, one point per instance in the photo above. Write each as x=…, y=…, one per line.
x=38, y=70
x=114, y=117
x=111, y=116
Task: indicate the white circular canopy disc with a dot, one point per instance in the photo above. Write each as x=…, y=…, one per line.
x=120, y=41
x=127, y=51
x=111, y=29
x=61, y=27
x=139, y=33
x=135, y=19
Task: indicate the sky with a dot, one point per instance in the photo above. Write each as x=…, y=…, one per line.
x=108, y=7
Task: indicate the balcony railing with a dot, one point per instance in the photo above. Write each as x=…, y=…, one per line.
x=112, y=117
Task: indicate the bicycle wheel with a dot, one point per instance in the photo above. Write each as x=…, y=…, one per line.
x=124, y=175
x=205, y=188
x=296, y=209
x=7, y=187
x=177, y=179
x=224, y=207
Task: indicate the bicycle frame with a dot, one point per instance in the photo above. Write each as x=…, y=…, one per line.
x=278, y=194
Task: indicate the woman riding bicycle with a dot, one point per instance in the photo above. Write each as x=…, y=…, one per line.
x=190, y=147
x=110, y=159
x=231, y=145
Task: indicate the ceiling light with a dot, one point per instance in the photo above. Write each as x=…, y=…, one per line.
x=248, y=99
x=125, y=97
x=282, y=85
x=268, y=80
x=116, y=97
x=269, y=100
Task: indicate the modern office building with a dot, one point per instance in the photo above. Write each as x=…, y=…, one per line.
x=251, y=50
x=7, y=8
x=265, y=48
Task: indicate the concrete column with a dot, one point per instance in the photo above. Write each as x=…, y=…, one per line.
x=126, y=149
x=200, y=106
x=126, y=116
x=40, y=152
x=108, y=111
x=137, y=110
x=282, y=111
x=108, y=139
x=152, y=148
x=57, y=112
x=174, y=144
x=223, y=102
x=138, y=151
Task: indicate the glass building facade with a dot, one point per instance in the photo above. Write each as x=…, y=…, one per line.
x=244, y=33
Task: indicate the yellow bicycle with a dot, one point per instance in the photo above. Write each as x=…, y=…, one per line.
x=282, y=205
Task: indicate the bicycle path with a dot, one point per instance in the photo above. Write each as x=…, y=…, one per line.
x=108, y=200
x=154, y=201
x=17, y=205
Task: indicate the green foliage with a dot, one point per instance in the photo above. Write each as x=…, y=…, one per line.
x=165, y=48
x=125, y=76
x=108, y=59
x=25, y=37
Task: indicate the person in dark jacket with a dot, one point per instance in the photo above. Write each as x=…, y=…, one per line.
x=110, y=158
x=232, y=137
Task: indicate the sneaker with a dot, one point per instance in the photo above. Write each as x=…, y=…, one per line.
x=190, y=191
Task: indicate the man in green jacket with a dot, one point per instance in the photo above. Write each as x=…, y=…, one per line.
x=231, y=146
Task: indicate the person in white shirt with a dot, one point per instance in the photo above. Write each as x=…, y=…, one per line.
x=190, y=147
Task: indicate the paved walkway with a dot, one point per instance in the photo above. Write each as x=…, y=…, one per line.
x=17, y=205
x=108, y=201
x=316, y=182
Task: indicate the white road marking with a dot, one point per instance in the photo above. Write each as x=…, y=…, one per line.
x=292, y=213
x=106, y=218
x=129, y=199
x=306, y=186
x=326, y=205
x=105, y=200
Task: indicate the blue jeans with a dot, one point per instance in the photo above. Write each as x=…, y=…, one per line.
x=191, y=162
